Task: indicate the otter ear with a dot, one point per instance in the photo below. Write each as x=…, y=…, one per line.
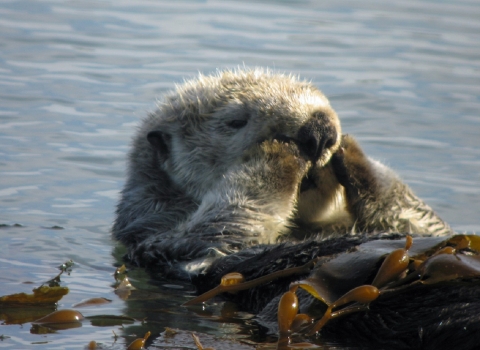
x=159, y=140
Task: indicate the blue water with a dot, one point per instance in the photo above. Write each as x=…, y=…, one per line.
x=77, y=76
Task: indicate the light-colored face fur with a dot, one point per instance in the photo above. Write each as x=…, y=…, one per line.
x=208, y=124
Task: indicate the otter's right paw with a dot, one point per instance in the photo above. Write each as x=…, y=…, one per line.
x=277, y=165
x=285, y=160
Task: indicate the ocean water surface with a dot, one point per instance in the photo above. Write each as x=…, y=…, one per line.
x=76, y=78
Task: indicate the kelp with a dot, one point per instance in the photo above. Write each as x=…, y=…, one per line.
x=139, y=343
x=39, y=306
x=349, y=282
x=49, y=293
x=92, y=302
x=43, y=295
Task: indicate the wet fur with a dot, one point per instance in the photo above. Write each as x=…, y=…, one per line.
x=244, y=158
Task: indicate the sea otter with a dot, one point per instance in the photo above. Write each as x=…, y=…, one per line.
x=249, y=171
x=247, y=158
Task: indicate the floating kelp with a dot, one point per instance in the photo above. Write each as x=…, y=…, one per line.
x=234, y=282
x=139, y=343
x=67, y=266
x=351, y=281
x=120, y=273
x=20, y=308
x=124, y=288
x=57, y=320
x=426, y=258
x=61, y=316
x=451, y=259
x=43, y=295
x=92, y=345
x=23, y=307
x=92, y=302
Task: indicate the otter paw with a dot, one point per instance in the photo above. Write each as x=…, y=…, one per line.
x=285, y=157
x=351, y=166
x=276, y=165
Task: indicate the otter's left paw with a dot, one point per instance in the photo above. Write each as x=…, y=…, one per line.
x=352, y=168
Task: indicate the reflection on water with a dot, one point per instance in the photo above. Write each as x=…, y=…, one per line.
x=75, y=77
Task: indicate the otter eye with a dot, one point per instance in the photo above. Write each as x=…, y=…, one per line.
x=237, y=123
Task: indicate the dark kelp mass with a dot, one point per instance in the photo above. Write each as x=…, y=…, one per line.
x=372, y=292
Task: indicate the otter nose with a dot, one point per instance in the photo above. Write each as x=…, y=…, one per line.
x=317, y=135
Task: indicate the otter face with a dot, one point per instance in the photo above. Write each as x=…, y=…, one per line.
x=205, y=127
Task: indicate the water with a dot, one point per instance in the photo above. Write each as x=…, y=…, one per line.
x=75, y=78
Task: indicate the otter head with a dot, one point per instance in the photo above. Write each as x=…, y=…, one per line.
x=202, y=129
